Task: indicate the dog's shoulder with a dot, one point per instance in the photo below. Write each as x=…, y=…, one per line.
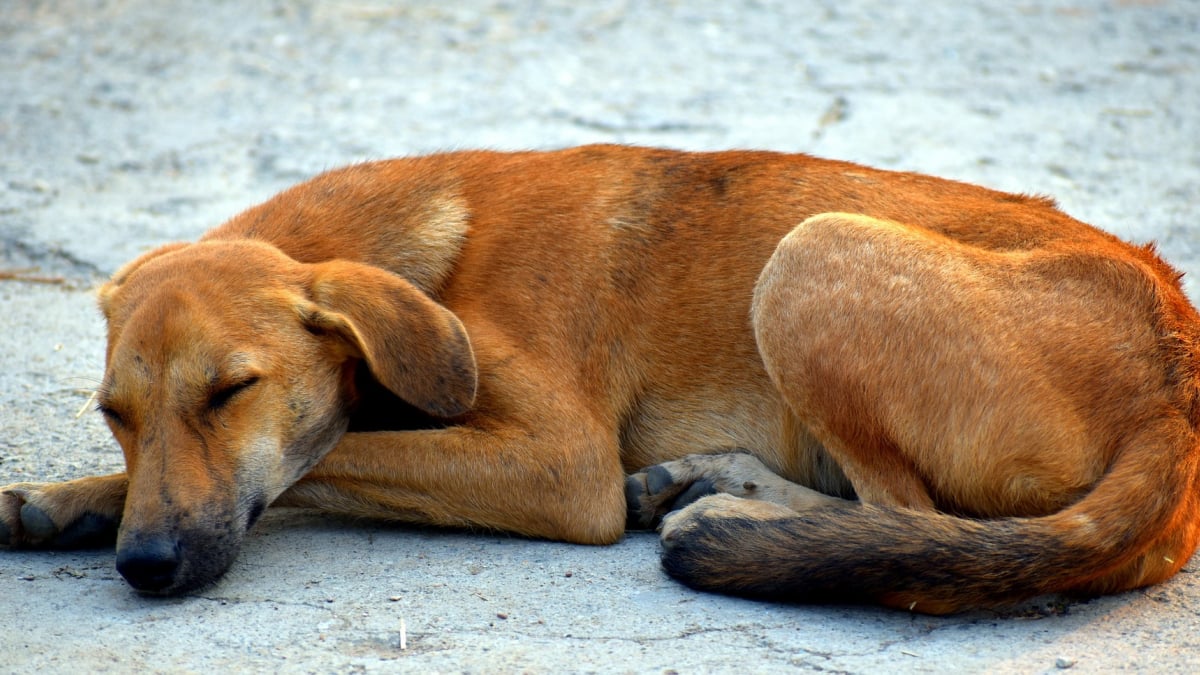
x=407, y=216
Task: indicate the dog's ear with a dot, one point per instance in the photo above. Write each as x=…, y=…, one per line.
x=106, y=292
x=415, y=347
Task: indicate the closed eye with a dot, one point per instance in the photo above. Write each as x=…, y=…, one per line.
x=221, y=397
x=112, y=415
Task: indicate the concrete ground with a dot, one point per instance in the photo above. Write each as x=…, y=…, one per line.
x=125, y=124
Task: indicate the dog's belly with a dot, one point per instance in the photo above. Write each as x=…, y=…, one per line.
x=663, y=428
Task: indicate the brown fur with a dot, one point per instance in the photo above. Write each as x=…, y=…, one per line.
x=497, y=339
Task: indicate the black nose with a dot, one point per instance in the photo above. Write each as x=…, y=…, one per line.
x=149, y=563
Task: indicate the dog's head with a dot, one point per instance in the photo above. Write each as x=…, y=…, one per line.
x=232, y=369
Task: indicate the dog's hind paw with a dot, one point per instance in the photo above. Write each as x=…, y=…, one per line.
x=653, y=492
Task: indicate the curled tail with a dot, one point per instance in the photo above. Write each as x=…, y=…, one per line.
x=1137, y=526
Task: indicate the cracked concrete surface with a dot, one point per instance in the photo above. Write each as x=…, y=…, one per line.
x=125, y=124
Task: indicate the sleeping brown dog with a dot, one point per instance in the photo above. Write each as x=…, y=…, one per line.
x=901, y=389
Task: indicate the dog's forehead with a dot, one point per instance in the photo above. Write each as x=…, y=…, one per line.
x=211, y=271
x=199, y=303
x=176, y=346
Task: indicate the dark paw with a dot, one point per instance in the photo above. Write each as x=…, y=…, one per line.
x=655, y=492
x=701, y=488
x=658, y=480
x=24, y=524
x=89, y=531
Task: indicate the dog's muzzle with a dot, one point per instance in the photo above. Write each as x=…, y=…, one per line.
x=171, y=564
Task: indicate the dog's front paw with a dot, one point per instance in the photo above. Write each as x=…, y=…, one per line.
x=32, y=515
x=23, y=523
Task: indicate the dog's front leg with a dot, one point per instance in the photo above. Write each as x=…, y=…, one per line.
x=553, y=485
x=75, y=514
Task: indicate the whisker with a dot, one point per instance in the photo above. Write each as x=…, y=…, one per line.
x=92, y=382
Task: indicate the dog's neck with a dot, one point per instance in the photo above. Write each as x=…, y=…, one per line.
x=358, y=213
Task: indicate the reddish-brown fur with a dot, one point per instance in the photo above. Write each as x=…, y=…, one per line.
x=497, y=339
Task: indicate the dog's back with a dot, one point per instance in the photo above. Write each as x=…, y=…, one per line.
x=637, y=266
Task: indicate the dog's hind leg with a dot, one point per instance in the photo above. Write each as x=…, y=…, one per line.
x=80, y=513
x=1041, y=392
x=941, y=374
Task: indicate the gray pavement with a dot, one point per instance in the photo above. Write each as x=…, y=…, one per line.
x=126, y=124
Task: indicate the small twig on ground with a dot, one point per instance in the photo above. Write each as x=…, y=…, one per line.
x=25, y=275
x=86, y=404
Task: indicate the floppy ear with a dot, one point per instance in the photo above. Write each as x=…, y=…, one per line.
x=415, y=347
